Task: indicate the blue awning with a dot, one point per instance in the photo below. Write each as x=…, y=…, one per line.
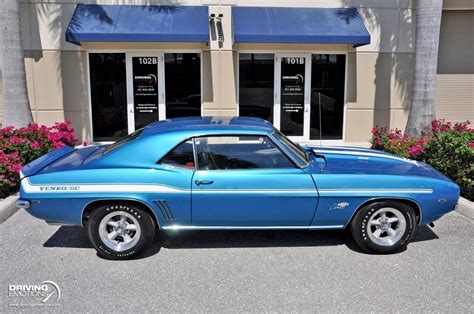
x=299, y=25
x=138, y=23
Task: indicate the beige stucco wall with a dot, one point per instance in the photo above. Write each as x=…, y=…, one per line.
x=455, y=79
x=458, y=4
x=1, y=98
x=378, y=78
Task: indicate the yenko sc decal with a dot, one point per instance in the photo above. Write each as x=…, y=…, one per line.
x=66, y=188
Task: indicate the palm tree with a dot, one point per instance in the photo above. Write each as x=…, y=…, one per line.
x=422, y=108
x=16, y=107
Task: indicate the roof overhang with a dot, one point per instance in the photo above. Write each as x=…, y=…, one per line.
x=299, y=25
x=138, y=23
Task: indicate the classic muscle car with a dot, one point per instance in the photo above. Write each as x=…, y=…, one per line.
x=231, y=173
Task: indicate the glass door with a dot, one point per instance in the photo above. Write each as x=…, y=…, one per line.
x=292, y=98
x=145, y=89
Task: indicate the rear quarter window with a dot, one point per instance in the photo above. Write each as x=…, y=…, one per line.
x=123, y=141
x=180, y=156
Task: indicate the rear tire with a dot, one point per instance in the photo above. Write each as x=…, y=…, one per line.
x=120, y=231
x=383, y=227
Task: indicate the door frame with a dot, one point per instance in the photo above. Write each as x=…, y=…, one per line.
x=127, y=70
x=275, y=91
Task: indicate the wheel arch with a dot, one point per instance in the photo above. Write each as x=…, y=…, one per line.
x=91, y=206
x=407, y=201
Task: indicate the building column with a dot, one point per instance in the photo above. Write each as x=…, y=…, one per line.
x=224, y=96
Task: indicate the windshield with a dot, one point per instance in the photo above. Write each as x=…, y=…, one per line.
x=119, y=143
x=295, y=149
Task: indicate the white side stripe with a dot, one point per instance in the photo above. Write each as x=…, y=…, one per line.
x=374, y=191
x=99, y=188
x=155, y=188
x=257, y=191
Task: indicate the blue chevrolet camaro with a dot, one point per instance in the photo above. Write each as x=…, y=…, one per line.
x=231, y=173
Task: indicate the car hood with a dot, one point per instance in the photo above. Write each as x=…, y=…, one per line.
x=351, y=160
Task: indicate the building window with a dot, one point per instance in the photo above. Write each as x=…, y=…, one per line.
x=327, y=96
x=182, y=84
x=256, y=78
x=108, y=96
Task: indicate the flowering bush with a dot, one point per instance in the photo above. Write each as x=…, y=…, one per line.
x=20, y=146
x=448, y=147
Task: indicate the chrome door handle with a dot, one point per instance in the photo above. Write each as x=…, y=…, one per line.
x=199, y=182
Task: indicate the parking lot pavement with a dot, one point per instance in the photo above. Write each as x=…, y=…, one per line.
x=242, y=271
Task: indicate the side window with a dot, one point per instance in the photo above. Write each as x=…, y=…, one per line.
x=239, y=152
x=181, y=156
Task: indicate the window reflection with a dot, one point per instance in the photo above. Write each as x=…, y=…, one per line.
x=183, y=84
x=108, y=96
x=256, y=76
x=327, y=96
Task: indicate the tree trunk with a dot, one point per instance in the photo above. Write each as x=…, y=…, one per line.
x=16, y=107
x=422, y=108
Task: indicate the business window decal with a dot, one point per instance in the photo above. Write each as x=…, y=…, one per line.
x=145, y=90
x=292, y=95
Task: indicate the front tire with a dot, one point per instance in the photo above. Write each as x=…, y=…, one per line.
x=120, y=231
x=383, y=227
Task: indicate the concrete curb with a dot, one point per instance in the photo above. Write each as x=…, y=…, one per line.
x=8, y=207
x=466, y=208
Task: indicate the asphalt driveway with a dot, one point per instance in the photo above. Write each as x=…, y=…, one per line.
x=242, y=271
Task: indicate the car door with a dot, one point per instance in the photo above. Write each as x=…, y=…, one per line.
x=245, y=180
x=176, y=171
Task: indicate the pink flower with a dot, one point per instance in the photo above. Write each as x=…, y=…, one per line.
x=444, y=128
x=32, y=127
x=471, y=144
x=58, y=144
x=35, y=145
x=15, y=140
x=463, y=127
x=415, y=150
x=15, y=167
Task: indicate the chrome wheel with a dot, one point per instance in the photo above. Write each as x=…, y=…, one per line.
x=386, y=226
x=119, y=231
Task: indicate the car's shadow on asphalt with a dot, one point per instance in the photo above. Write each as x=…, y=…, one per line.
x=76, y=237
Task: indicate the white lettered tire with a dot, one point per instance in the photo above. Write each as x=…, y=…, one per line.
x=384, y=226
x=120, y=230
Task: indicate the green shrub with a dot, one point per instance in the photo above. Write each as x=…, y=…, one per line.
x=452, y=154
x=447, y=147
